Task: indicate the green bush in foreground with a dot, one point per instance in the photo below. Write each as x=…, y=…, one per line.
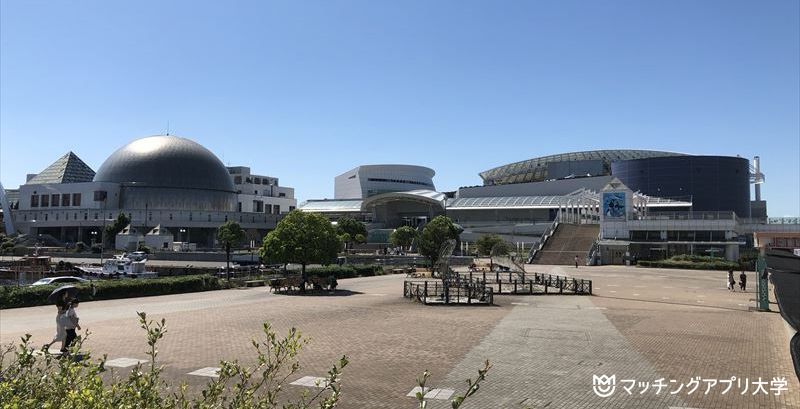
x=31, y=380
x=14, y=297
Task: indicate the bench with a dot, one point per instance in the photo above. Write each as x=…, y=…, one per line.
x=255, y=283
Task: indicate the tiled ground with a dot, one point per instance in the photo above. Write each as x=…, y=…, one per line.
x=544, y=349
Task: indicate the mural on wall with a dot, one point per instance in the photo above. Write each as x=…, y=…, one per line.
x=614, y=205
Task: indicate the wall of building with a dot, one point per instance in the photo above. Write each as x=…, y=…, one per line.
x=715, y=183
x=260, y=194
x=370, y=180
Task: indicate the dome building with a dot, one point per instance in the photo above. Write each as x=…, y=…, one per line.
x=168, y=172
x=161, y=180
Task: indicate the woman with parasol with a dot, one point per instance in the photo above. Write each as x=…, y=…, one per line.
x=61, y=296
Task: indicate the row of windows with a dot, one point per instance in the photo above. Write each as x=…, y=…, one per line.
x=56, y=200
x=66, y=216
x=237, y=180
x=678, y=235
x=413, y=182
x=255, y=192
x=260, y=207
x=786, y=242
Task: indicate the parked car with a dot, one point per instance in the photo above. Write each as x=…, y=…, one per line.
x=61, y=280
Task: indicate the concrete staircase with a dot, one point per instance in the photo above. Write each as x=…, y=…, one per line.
x=569, y=240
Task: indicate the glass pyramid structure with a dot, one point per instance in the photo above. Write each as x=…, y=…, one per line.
x=66, y=169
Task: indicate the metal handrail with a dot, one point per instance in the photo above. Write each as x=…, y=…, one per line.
x=547, y=233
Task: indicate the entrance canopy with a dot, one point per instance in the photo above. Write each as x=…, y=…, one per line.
x=428, y=197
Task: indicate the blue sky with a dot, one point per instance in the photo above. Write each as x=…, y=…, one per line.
x=307, y=90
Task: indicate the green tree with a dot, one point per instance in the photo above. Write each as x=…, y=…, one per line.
x=228, y=235
x=302, y=238
x=491, y=245
x=436, y=233
x=353, y=228
x=6, y=245
x=403, y=236
x=120, y=223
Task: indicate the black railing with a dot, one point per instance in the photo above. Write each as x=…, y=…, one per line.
x=448, y=292
x=530, y=283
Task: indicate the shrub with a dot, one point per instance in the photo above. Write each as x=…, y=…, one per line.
x=349, y=271
x=80, y=247
x=14, y=297
x=692, y=262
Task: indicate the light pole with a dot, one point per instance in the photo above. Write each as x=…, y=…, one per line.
x=93, y=233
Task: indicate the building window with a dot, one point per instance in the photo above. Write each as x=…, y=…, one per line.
x=76, y=199
x=65, y=200
x=291, y=208
x=55, y=199
x=258, y=206
x=75, y=216
x=56, y=216
x=85, y=215
x=281, y=194
x=268, y=208
x=209, y=217
x=45, y=217
x=170, y=216
x=190, y=216
x=45, y=200
x=237, y=180
x=34, y=200
x=226, y=217
x=257, y=181
x=255, y=192
x=95, y=216
x=239, y=207
x=277, y=209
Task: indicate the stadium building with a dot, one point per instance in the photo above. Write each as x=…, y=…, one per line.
x=605, y=206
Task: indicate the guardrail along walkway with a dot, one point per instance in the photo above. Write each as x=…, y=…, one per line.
x=530, y=283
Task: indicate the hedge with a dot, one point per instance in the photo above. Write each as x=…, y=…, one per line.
x=349, y=271
x=692, y=262
x=15, y=297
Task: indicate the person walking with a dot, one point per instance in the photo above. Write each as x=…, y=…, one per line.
x=71, y=322
x=731, y=281
x=62, y=304
x=576, y=261
x=743, y=281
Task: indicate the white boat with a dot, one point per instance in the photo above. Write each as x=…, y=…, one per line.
x=122, y=266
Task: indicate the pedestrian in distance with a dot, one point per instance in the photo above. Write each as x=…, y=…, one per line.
x=731, y=281
x=743, y=281
x=576, y=261
x=70, y=324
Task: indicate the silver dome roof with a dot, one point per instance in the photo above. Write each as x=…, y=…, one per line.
x=165, y=161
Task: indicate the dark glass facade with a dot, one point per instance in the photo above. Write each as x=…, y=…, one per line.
x=715, y=183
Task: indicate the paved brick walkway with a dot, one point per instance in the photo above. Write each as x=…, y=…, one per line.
x=544, y=349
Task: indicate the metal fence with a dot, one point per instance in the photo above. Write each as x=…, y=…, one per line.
x=530, y=283
x=448, y=293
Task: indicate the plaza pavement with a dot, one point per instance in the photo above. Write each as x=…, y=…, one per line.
x=641, y=324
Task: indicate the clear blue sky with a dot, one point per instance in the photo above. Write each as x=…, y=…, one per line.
x=306, y=90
